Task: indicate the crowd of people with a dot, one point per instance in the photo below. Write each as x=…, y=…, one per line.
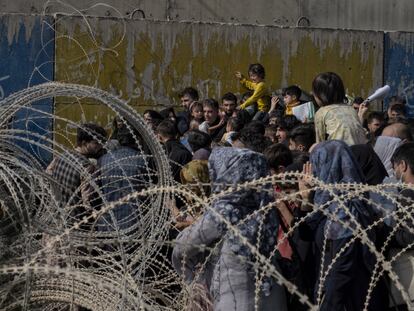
x=237, y=140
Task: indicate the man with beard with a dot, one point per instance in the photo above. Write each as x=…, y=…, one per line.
x=229, y=104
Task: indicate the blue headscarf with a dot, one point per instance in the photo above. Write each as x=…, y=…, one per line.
x=232, y=166
x=333, y=162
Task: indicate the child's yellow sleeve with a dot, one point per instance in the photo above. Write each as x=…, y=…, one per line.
x=248, y=84
x=259, y=92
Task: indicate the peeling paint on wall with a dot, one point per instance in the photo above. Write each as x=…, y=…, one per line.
x=399, y=66
x=27, y=59
x=157, y=59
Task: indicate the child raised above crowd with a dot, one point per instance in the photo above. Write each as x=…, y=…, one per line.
x=260, y=94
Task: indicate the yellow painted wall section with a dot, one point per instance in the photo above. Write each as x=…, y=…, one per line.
x=149, y=62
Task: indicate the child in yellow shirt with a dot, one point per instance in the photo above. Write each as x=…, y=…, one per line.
x=258, y=86
x=291, y=97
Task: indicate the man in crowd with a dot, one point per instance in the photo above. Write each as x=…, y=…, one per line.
x=229, y=104
x=187, y=97
x=72, y=168
x=403, y=163
x=301, y=138
x=213, y=124
x=375, y=121
x=72, y=171
x=177, y=153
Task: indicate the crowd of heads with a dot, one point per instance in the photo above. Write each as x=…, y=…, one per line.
x=227, y=124
x=342, y=141
x=214, y=145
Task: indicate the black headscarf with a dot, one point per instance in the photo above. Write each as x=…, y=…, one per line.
x=370, y=164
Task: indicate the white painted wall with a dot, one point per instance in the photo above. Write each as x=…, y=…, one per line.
x=337, y=14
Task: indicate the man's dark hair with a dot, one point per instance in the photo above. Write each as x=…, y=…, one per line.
x=293, y=90
x=404, y=153
x=90, y=131
x=253, y=140
x=155, y=115
x=257, y=69
x=190, y=92
x=244, y=116
x=398, y=99
x=398, y=108
x=167, y=129
x=278, y=114
x=329, y=88
x=126, y=138
x=375, y=115
x=230, y=97
x=303, y=135
x=211, y=102
x=198, y=140
x=165, y=113
x=271, y=128
x=299, y=159
x=358, y=100
x=256, y=126
x=235, y=123
x=288, y=123
x=278, y=155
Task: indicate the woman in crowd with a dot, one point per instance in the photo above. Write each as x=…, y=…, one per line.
x=232, y=283
x=335, y=119
x=371, y=165
x=346, y=284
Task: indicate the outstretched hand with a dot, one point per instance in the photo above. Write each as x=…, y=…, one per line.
x=274, y=102
x=305, y=182
x=362, y=111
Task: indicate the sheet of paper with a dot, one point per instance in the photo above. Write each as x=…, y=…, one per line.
x=304, y=112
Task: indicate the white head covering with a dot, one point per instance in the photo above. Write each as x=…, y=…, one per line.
x=385, y=148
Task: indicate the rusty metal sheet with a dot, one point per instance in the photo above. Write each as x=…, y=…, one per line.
x=27, y=59
x=399, y=66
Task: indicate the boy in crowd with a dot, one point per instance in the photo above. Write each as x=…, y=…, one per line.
x=301, y=138
x=291, y=97
x=177, y=153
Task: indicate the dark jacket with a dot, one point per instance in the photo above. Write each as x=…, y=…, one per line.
x=183, y=121
x=178, y=155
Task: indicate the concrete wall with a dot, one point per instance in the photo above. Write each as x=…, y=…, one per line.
x=398, y=65
x=148, y=62
x=336, y=14
x=26, y=59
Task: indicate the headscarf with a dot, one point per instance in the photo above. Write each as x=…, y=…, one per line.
x=233, y=166
x=370, y=164
x=201, y=154
x=333, y=162
x=385, y=147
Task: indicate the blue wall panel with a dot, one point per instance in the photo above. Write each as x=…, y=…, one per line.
x=27, y=59
x=399, y=66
